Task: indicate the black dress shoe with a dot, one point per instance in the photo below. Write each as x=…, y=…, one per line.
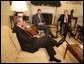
x=53, y=36
x=60, y=42
x=72, y=35
x=54, y=59
x=56, y=37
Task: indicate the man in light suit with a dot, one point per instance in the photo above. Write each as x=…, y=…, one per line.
x=38, y=21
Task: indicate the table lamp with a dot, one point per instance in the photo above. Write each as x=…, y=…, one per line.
x=19, y=7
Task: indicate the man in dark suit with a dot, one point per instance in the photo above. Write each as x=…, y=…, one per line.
x=65, y=23
x=31, y=44
x=71, y=13
x=38, y=21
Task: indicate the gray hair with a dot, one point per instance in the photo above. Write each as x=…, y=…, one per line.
x=16, y=19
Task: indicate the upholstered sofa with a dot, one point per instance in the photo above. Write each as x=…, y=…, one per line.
x=11, y=51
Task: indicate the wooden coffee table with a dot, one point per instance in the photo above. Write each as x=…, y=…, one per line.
x=75, y=50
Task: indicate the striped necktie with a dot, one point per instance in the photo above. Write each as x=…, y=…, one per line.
x=40, y=18
x=66, y=18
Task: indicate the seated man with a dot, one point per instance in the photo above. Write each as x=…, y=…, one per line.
x=31, y=44
x=65, y=23
x=38, y=21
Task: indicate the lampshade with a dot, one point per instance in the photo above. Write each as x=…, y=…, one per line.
x=19, y=6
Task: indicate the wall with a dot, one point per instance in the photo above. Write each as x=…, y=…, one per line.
x=5, y=12
x=78, y=10
x=45, y=9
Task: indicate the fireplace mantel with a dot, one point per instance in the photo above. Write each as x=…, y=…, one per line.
x=45, y=9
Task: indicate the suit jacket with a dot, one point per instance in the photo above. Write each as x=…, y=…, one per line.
x=31, y=45
x=61, y=19
x=35, y=19
x=26, y=42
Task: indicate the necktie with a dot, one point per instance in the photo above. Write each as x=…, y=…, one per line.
x=66, y=19
x=25, y=29
x=40, y=18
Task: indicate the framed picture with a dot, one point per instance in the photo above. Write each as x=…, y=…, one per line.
x=75, y=2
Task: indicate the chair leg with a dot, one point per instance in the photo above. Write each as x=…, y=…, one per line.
x=65, y=52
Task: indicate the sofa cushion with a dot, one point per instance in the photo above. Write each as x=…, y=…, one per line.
x=39, y=56
x=8, y=50
x=15, y=41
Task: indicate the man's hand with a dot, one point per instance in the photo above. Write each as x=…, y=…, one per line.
x=36, y=36
x=40, y=23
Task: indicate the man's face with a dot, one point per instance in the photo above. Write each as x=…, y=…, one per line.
x=65, y=12
x=21, y=22
x=39, y=12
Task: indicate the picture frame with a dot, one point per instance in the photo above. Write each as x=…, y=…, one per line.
x=75, y=2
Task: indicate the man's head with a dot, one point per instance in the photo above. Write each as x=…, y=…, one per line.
x=72, y=11
x=65, y=11
x=19, y=21
x=39, y=11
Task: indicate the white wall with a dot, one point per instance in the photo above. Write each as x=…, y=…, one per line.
x=45, y=9
x=78, y=10
x=5, y=12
